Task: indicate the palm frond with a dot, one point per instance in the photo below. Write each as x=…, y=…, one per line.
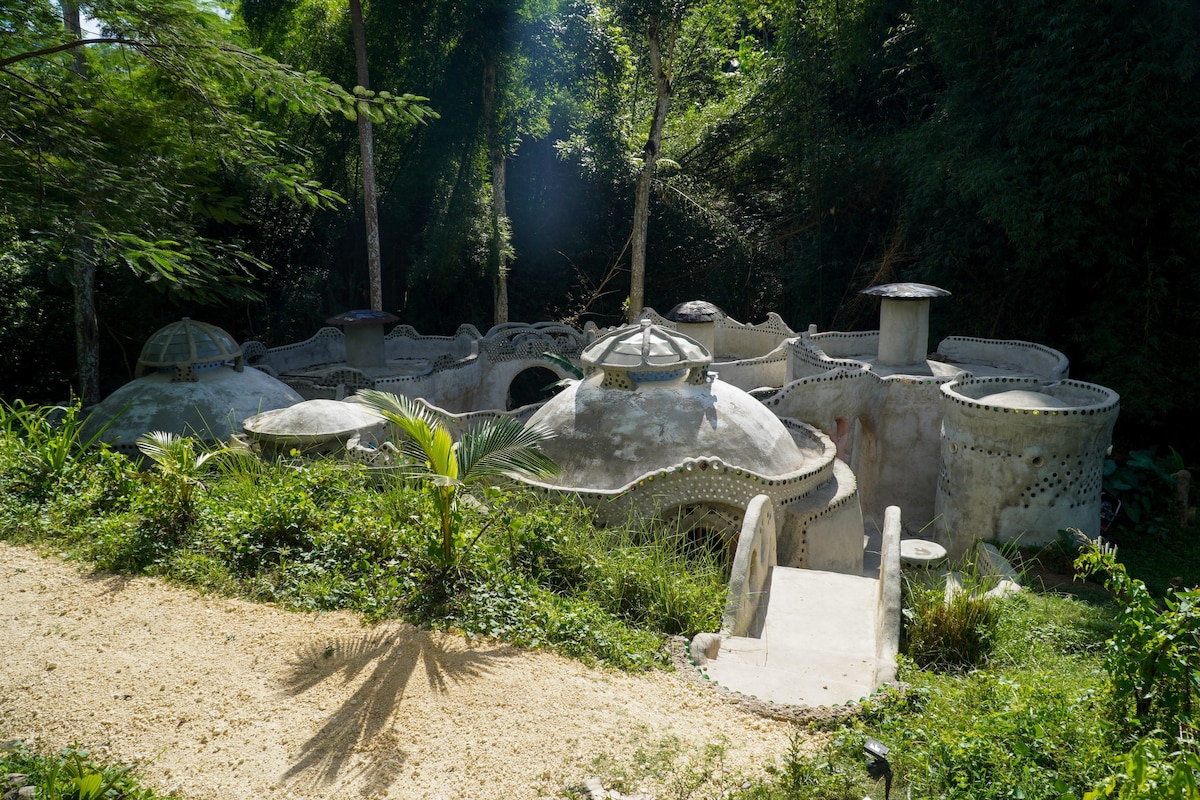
x=565, y=364
x=503, y=447
x=427, y=445
x=172, y=453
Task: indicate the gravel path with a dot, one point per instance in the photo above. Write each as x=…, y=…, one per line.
x=227, y=699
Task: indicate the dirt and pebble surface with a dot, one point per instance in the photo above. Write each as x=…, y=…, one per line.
x=219, y=698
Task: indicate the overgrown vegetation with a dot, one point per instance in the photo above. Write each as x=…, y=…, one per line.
x=326, y=535
x=1026, y=723
x=948, y=628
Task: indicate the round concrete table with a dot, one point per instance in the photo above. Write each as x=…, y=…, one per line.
x=921, y=553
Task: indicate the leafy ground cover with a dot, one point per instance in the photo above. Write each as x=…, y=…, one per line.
x=70, y=774
x=327, y=535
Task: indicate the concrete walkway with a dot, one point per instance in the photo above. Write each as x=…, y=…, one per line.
x=817, y=646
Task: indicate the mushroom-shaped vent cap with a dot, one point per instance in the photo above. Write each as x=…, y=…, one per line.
x=362, y=316
x=694, y=312
x=187, y=343
x=645, y=347
x=906, y=291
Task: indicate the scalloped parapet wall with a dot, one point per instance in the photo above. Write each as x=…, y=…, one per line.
x=465, y=371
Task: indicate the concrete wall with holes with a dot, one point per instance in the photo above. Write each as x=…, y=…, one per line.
x=1021, y=459
x=935, y=439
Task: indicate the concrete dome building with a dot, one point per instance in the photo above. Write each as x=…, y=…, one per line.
x=190, y=381
x=650, y=433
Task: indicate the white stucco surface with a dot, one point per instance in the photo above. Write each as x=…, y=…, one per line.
x=607, y=438
x=212, y=407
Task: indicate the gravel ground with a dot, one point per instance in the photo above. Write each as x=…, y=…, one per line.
x=219, y=698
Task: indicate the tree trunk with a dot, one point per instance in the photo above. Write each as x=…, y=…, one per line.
x=498, y=247
x=366, y=151
x=500, y=232
x=650, y=153
x=87, y=329
x=83, y=260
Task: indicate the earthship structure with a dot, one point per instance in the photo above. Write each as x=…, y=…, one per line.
x=191, y=380
x=817, y=462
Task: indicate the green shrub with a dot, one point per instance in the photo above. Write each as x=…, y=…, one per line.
x=1153, y=657
x=1153, y=768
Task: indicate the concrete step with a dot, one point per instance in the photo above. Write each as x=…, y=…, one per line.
x=814, y=684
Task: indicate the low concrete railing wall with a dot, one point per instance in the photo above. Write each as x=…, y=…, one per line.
x=749, y=580
x=752, y=373
x=887, y=614
x=1037, y=359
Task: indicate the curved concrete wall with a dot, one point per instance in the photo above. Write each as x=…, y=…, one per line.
x=1020, y=474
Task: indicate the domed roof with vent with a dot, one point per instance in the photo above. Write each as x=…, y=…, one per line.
x=645, y=347
x=190, y=380
x=185, y=345
x=607, y=436
x=646, y=353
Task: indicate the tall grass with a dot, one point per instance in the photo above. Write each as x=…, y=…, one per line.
x=39, y=443
x=948, y=628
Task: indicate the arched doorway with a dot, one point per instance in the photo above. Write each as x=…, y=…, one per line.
x=529, y=386
x=712, y=528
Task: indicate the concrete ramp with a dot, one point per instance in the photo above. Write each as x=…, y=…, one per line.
x=818, y=645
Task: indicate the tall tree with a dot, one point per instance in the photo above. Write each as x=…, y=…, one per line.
x=83, y=256
x=366, y=148
x=130, y=163
x=657, y=22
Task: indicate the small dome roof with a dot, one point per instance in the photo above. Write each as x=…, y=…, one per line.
x=312, y=421
x=645, y=347
x=1023, y=398
x=906, y=291
x=694, y=312
x=185, y=345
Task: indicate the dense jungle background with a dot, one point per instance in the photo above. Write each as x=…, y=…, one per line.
x=1037, y=158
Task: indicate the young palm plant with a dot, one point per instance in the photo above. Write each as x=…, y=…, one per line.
x=180, y=464
x=502, y=447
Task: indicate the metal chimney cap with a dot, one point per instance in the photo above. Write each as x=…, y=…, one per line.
x=362, y=316
x=906, y=291
x=694, y=311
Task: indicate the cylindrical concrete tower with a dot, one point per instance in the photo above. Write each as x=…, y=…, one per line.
x=1021, y=459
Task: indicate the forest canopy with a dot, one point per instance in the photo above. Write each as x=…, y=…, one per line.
x=1036, y=158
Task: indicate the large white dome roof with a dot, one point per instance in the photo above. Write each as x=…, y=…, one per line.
x=607, y=438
